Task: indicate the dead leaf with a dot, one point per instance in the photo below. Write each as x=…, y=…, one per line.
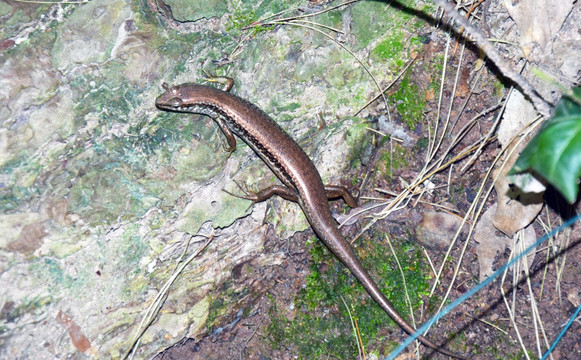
x=538, y=20
x=463, y=87
x=491, y=242
x=516, y=209
x=574, y=298
x=518, y=113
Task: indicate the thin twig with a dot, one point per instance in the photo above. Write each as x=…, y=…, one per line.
x=154, y=308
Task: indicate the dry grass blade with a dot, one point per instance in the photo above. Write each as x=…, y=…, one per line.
x=157, y=303
x=264, y=21
x=356, y=331
x=405, y=289
x=487, y=323
x=562, y=263
x=386, y=88
x=435, y=149
x=537, y=323
x=511, y=312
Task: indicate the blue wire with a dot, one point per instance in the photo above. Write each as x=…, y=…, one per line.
x=561, y=334
x=475, y=289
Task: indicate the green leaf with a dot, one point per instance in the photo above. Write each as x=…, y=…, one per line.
x=555, y=152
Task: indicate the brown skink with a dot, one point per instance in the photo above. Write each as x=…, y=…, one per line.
x=302, y=182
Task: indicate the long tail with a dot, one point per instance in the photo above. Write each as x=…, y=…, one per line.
x=345, y=253
x=378, y=296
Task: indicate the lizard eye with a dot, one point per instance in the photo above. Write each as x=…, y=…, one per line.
x=176, y=102
x=165, y=86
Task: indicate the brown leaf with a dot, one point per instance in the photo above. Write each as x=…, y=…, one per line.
x=79, y=340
